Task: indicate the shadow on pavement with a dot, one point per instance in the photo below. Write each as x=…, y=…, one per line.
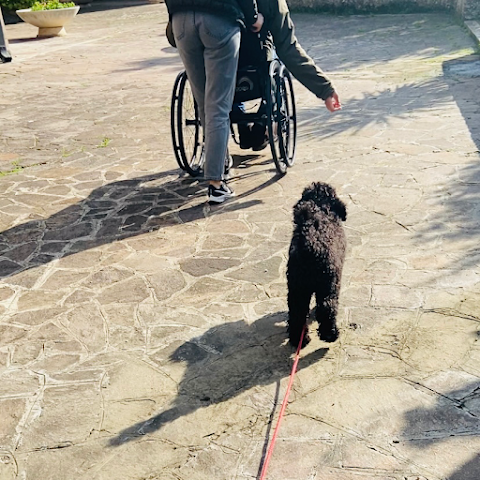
x=110, y=213
x=224, y=362
x=454, y=415
x=459, y=218
x=469, y=471
x=375, y=109
x=460, y=197
x=153, y=63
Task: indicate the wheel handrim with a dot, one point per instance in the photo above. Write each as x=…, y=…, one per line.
x=174, y=120
x=189, y=126
x=287, y=118
x=273, y=118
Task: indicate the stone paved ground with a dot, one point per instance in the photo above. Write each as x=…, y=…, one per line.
x=142, y=332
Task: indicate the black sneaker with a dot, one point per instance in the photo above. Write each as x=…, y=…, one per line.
x=220, y=194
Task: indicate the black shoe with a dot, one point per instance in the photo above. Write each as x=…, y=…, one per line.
x=220, y=194
x=259, y=138
x=261, y=146
x=245, y=135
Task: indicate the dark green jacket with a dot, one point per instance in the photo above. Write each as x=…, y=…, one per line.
x=298, y=62
x=243, y=11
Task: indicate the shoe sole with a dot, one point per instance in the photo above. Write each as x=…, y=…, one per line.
x=220, y=199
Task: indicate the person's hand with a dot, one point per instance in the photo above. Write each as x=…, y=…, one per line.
x=333, y=103
x=257, y=26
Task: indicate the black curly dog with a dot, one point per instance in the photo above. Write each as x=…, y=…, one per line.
x=315, y=263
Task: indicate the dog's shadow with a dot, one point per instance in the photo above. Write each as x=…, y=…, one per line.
x=224, y=362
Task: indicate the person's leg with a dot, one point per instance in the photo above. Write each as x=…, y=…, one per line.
x=221, y=39
x=190, y=48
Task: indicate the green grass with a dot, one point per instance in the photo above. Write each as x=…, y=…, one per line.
x=104, y=143
x=16, y=168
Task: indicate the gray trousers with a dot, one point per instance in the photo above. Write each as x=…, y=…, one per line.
x=208, y=46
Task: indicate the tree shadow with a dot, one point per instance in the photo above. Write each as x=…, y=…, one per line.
x=111, y=213
x=399, y=41
x=380, y=108
x=454, y=415
x=376, y=39
x=457, y=222
x=224, y=362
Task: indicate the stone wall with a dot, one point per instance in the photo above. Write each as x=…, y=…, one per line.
x=471, y=9
x=385, y=6
x=467, y=9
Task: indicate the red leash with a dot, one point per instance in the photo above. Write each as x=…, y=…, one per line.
x=284, y=406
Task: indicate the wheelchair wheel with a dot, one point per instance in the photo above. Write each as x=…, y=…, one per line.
x=288, y=117
x=187, y=133
x=282, y=118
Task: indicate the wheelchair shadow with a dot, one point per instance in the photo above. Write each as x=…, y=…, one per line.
x=111, y=213
x=221, y=364
x=251, y=160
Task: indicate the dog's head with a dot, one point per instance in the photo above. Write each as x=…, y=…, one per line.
x=325, y=198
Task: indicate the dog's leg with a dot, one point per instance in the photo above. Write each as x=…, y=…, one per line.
x=326, y=315
x=298, y=308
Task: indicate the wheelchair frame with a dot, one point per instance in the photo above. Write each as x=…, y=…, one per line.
x=277, y=112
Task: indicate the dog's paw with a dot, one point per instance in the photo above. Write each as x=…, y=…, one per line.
x=294, y=341
x=328, y=335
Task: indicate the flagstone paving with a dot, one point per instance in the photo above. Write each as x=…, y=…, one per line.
x=142, y=332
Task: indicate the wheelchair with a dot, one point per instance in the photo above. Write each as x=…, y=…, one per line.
x=262, y=81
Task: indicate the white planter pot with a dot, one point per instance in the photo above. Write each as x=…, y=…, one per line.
x=50, y=23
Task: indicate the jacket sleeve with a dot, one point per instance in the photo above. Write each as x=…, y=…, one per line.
x=291, y=53
x=250, y=11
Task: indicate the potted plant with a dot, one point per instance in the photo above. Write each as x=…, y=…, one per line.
x=50, y=16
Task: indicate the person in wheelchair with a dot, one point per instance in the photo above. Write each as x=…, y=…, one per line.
x=282, y=40
x=207, y=35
